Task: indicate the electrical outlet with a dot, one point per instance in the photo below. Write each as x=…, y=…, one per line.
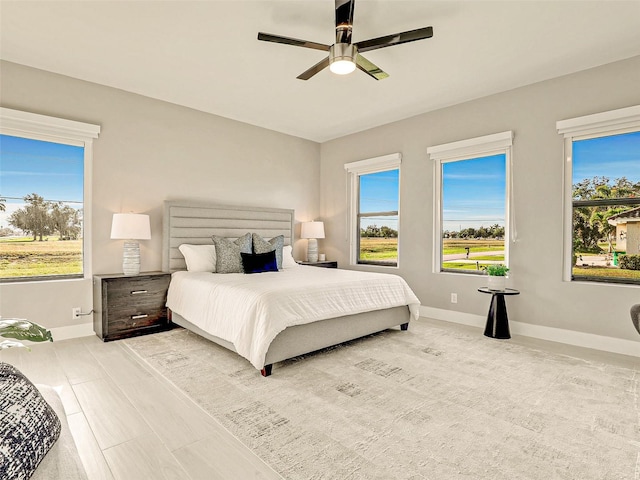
x=75, y=313
x=454, y=298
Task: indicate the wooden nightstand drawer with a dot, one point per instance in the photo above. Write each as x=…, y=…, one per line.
x=126, y=306
x=134, y=319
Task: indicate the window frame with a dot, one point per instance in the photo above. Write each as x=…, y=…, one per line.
x=17, y=123
x=469, y=149
x=608, y=123
x=354, y=170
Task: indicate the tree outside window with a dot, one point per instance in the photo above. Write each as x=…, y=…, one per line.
x=606, y=208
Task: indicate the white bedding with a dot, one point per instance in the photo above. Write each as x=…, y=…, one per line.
x=250, y=310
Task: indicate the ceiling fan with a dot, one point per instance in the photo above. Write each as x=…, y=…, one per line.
x=344, y=56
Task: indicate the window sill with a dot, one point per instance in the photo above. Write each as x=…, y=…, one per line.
x=53, y=278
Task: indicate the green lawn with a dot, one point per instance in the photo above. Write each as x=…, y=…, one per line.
x=465, y=265
x=456, y=245
x=606, y=272
x=379, y=249
x=22, y=257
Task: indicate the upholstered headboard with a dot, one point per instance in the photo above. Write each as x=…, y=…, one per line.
x=195, y=223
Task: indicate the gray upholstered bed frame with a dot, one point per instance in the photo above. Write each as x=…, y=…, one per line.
x=195, y=223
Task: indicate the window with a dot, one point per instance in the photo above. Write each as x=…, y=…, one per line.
x=602, y=192
x=471, y=203
x=44, y=202
x=375, y=199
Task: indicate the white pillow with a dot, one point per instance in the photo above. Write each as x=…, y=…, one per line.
x=199, y=258
x=287, y=257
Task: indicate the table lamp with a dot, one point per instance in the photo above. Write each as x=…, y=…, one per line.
x=130, y=227
x=312, y=231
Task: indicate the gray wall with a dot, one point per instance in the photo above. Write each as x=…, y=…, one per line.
x=536, y=257
x=149, y=151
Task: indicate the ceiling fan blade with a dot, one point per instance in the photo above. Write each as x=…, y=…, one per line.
x=396, y=39
x=267, y=37
x=321, y=65
x=370, y=69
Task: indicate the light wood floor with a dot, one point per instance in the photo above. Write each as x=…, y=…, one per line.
x=129, y=422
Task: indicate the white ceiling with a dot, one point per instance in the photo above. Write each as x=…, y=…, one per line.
x=205, y=55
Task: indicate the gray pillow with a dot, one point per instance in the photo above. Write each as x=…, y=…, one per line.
x=260, y=245
x=228, y=259
x=28, y=425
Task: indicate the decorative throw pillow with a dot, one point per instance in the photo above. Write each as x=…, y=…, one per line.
x=287, y=257
x=259, y=262
x=260, y=245
x=199, y=258
x=28, y=425
x=228, y=258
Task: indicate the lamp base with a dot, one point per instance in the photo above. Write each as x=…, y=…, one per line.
x=312, y=250
x=131, y=258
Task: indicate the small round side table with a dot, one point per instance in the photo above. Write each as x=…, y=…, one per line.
x=497, y=319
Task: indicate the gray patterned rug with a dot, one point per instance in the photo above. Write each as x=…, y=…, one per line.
x=429, y=403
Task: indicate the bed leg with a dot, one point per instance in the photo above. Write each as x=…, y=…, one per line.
x=266, y=371
x=404, y=326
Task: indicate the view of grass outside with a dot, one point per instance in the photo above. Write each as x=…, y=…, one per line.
x=602, y=265
x=379, y=249
x=24, y=257
x=386, y=250
x=481, y=252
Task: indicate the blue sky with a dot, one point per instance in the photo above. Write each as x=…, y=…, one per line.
x=379, y=193
x=473, y=193
x=52, y=170
x=614, y=156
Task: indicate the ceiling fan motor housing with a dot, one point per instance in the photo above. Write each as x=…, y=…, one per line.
x=343, y=52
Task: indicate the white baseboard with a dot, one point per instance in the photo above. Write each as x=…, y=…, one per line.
x=72, y=331
x=570, y=337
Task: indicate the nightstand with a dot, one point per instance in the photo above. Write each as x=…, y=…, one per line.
x=126, y=306
x=326, y=264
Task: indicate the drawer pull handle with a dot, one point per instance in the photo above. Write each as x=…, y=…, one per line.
x=136, y=317
x=138, y=292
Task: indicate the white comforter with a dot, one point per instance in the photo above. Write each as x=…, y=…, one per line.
x=250, y=310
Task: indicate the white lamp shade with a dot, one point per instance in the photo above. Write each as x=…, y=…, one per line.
x=130, y=226
x=312, y=230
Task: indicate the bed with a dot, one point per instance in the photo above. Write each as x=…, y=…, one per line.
x=292, y=332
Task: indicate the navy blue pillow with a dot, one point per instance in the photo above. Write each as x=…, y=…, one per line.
x=259, y=262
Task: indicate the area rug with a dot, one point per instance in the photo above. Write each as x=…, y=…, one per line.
x=431, y=403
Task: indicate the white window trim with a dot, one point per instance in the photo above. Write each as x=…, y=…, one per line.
x=612, y=122
x=487, y=145
x=51, y=129
x=354, y=170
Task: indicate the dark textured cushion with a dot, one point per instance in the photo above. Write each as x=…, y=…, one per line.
x=259, y=262
x=260, y=245
x=228, y=252
x=635, y=316
x=28, y=425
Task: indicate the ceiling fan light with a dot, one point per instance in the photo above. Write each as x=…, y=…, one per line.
x=342, y=67
x=342, y=58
